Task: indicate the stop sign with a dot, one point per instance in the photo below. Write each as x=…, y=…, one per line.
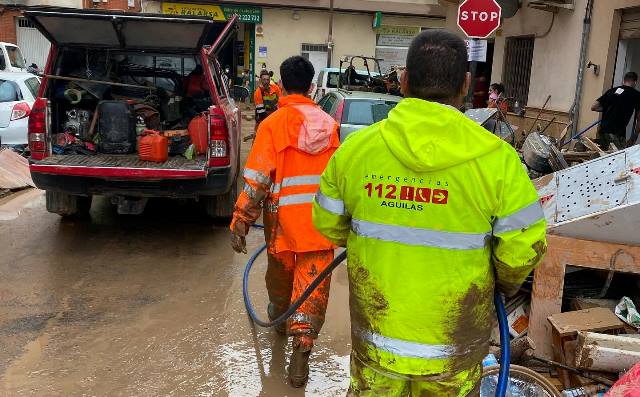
x=479, y=18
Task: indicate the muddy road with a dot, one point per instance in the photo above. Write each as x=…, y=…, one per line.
x=146, y=305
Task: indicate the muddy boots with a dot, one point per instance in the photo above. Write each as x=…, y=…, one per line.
x=271, y=312
x=299, y=362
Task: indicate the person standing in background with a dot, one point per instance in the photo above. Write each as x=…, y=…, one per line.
x=266, y=97
x=617, y=106
x=497, y=99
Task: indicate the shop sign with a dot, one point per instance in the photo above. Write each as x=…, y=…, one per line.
x=396, y=36
x=398, y=30
x=216, y=12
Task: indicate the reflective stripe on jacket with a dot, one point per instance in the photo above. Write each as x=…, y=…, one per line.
x=430, y=206
x=282, y=174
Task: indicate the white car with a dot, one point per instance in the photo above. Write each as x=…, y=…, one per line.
x=18, y=92
x=11, y=59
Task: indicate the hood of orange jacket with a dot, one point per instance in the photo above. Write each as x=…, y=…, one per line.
x=308, y=128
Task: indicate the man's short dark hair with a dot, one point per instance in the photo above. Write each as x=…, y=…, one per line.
x=436, y=65
x=631, y=76
x=264, y=72
x=296, y=74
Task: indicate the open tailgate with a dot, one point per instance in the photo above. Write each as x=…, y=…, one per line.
x=119, y=30
x=227, y=34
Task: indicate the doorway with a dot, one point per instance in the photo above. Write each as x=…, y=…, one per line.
x=318, y=55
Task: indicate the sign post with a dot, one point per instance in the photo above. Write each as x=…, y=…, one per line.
x=478, y=19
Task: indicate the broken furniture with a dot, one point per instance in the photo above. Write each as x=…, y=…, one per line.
x=598, y=200
x=565, y=328
x=548, y=282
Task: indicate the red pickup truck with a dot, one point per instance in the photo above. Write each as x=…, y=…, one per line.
x=152, y=72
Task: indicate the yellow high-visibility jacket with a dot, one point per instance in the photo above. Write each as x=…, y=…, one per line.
x=434, y=211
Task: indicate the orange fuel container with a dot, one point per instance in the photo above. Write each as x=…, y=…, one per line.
x=198, y=130
x=153, y=147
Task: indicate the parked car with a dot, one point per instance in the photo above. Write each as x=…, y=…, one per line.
x=18, y=92
x=328, y=79
x=11, y=59
x=355, y=110
x=73, y=161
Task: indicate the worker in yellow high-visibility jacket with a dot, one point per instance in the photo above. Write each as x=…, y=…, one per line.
x=435, y=211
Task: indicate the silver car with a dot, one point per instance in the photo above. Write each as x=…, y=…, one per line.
x=355, y=110
x=17, y=94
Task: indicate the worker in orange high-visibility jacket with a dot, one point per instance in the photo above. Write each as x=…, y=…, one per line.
x=282, y=174
x=266, y=97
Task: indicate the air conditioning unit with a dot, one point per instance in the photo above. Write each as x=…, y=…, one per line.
x=552, y=5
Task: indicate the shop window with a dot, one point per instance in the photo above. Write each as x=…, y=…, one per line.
x=314, y=48
x=518, y=57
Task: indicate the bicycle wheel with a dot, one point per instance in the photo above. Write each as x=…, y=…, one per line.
x=523, y=382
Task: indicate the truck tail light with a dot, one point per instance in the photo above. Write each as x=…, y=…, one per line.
x=218, y=138
x=20, y=110
x=38, y=129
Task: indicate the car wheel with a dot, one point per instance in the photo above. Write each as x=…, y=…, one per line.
x=220, y=208
x=68, y=205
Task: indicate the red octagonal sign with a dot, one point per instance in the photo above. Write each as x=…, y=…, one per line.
x=479, y=18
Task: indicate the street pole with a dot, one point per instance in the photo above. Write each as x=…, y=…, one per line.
x=330, y=38
x=472, y=69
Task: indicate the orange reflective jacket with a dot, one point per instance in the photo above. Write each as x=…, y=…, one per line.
x=266, y=102
x=290, y=152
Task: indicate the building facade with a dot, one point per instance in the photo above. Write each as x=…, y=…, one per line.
x=537, y=55
x=275, y=30
x=270, y=30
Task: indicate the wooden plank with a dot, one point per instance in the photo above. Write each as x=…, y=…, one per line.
x=596, y=319
x=610, y=353
x=546, y=300
x=563, y=136
x=594, y=254
x=579, y=156
x=592, y=145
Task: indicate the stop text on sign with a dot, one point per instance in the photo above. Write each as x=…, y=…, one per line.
x=478, y=19
x=482, y=16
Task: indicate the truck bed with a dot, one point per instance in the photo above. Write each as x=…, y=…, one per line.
x=123, y=161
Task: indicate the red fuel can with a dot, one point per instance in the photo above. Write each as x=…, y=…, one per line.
x=154, y=147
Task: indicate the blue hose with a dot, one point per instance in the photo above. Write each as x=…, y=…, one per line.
x=298, y=302
x=503, y=378
x=580, y=133
x=505, y=353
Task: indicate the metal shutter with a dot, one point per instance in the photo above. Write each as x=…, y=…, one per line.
x=34, y=46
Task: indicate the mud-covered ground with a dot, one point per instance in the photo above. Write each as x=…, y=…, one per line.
x=146, y=305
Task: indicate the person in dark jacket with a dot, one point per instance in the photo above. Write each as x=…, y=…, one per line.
x=617, y=106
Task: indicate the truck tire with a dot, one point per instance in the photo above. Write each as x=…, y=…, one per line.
x=68, y=205
x=220, y=208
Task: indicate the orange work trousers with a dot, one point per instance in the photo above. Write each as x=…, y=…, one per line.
x=288, y=276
